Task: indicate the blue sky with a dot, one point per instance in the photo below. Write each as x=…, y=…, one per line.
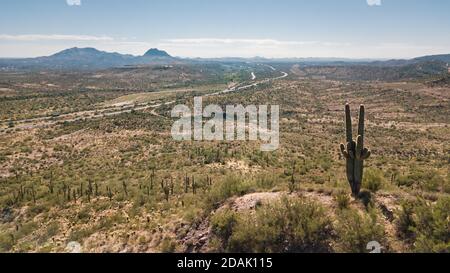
x=218, y=28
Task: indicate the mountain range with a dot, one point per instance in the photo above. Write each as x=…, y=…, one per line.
x=88, y=58
x=93, y=59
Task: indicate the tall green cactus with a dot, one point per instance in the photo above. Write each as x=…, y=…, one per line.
x=354, y=152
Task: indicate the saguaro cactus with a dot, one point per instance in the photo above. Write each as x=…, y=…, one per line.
x=186, y=184
x=110, y=194
x=124, y=186
x=166, y=189
x=194, y=186
x=354, y=152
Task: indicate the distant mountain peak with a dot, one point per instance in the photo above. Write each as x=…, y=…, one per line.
x=77, y=51
x=154, y=52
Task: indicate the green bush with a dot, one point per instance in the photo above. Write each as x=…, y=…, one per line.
x=108, y=222
x=84, y=215
x=342, y=199
x=432, y=226
x=229, y=187
x=168, y=245
x=265, y=181
x=51, y=230
x=426, y=179
x=356, y=230
x=426, y=225
x=222, y=224
x=26, y=229
x=79, y=235
x=447, y=184
x=373, y=180
x=405, y=221
x=288, y=225
x=6, y=242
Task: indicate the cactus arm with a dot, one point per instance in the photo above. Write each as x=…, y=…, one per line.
x=348, y=123
x=344, y=152
x=359, y=147
x=362, y=114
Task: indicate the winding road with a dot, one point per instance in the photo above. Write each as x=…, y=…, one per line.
x=42, y=122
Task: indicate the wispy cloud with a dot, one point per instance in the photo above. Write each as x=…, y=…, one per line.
x=245, y=47
x=219, y=41
x=73, y=2
x=374, y=2
x=53, y=37
x=44, y=45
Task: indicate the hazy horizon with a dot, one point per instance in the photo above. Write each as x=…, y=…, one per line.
x=229, y=57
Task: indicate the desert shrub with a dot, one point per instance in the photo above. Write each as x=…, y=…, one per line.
x=373, y=180
x=6, y=241
x=405, y=222
x=432, y=226
x=168, y=245
x=79, y=234
x=230, y=186
x=192, y=214
x=265, y=181
x=261, y=159
x=108, y=222
x=405, y=180
x=325, y=162
x=432, y=182
x=428, y=180
x=26, y=229
x=355, y=230
x=447, y=184
x=139, y=200
x=288, y=225
x=37, y=209
x=222, y=224
x=84, y=215
x=342, y=199
x=52, y=229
